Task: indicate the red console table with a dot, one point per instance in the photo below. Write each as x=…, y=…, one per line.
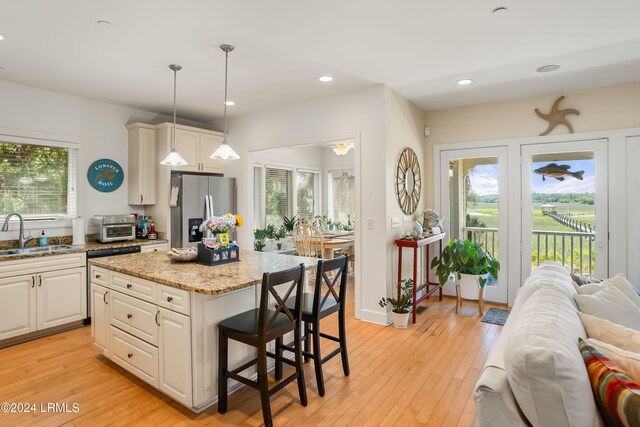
x=415, y=244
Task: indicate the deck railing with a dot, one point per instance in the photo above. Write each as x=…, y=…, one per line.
x=573, y=249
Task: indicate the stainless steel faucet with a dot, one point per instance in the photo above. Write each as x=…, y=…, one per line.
x=21, y=239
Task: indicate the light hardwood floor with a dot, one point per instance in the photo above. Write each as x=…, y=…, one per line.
x=420, y=376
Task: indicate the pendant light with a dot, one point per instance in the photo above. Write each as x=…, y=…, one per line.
x=174, y=158
x=224, y=151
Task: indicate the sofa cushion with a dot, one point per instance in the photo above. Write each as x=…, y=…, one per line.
x=617, y=396
x=623, y=285
x=610, y=304
x=606, y=331
x=543, y=364
x=628, y=360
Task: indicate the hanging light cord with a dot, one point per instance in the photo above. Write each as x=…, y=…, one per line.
x=226, y=66
x=173, y=138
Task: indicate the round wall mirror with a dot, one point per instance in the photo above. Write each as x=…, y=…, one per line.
x=408, y=181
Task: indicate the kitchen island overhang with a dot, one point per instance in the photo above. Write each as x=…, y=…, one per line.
x=159, y=319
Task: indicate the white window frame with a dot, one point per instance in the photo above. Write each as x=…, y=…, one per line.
x=330, y=188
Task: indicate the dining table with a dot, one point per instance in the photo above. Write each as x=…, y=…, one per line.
x=336, y=240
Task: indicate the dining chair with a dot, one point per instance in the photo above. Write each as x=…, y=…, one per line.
x=328, y=297
x=257, y=328
x=308, y=241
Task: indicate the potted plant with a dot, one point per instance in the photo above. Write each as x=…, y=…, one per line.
x=289, y=223
x=280, y=233
x=400, y=308
x=259, y=237
x=471, y=265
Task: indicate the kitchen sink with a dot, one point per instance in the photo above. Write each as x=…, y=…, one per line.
x=35, y=250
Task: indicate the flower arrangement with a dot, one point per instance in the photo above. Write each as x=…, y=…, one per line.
x=222, y=224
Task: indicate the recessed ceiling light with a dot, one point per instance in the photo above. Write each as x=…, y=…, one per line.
x=230, y=103
x=1, y=68
x=325, y=79
x=1, y=37
x=547, y=68
x=499, y=10
x=104, y=24
x=464, y=82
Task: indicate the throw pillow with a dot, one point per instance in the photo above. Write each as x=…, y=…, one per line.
x=617, y=396
x=628, y=360
x=605, y=331
x=623, y=285
x=610, y=304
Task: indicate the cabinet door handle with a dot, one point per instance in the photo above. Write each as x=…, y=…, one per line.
x=33, y=281
x=130, y=355
x=157, y=323
x=104, y=297
x=98, y=276
x=169, y=299
x=129, y=285
x=141, y=198
x=129, y=316
x=39, y=281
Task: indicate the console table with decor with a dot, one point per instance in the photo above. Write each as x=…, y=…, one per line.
x=427, y=288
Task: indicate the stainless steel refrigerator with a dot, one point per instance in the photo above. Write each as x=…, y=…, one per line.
x=198, y=198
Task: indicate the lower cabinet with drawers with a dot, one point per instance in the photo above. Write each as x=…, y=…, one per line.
x=137, y=325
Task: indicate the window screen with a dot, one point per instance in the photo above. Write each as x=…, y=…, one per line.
x=342, y=201
x=305, y=189
x=277, y=195
x=37, y=181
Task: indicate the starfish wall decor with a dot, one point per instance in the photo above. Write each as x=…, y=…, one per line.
x=557, y=117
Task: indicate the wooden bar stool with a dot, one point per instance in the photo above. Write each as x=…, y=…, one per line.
x=257, y=328
x=328, y=297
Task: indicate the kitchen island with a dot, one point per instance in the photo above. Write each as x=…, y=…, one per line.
x=159, y=319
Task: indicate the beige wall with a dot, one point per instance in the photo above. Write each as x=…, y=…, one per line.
x=611, y=107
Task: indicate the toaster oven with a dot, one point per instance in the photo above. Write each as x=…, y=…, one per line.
x=115, y=228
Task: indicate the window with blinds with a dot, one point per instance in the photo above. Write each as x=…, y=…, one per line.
x=37, y=181
x=277, y=195
x=342, y=197
x=306, y=194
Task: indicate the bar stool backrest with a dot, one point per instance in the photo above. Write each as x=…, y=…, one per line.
x=332, y=286
x=293, y=277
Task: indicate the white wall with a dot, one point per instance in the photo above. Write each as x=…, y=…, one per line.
x=359, y=115
x=99, y=127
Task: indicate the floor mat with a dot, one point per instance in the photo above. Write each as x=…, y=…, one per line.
x=496, y=316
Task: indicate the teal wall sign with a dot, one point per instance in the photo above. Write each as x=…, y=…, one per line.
x=105, y=175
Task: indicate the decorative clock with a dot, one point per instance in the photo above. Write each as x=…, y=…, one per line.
x=105, y=175
x=408, y=181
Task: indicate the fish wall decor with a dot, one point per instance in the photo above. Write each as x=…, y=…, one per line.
x=554, y=170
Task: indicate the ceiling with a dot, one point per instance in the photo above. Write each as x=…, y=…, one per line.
x=419, y=48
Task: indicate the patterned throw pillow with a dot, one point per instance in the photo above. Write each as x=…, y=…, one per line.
x=617, y=396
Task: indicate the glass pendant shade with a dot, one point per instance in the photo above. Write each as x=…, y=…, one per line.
x=224, y=152
x=174, y=159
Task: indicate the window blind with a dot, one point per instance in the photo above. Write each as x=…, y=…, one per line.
x=277, y=195
x=37, y=181
x=305, y=189
x=342, y=197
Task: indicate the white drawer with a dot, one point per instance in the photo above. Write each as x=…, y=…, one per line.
x=135, y=317
x=139, y=288
x=99, y=275
x=40, y=264
x=134, y=355
x=174, y=299
x=161, y=247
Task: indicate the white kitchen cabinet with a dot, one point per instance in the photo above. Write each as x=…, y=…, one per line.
x=194, y=145
x=142, y=164
x=100, y=317
x=61, y=297
x=160, y=247
x=208, y=144
x=187, y=145
x=17, y=306
x=175, y=356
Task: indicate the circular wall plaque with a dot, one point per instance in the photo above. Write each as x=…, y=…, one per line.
x=408, y=181
x=105, y=175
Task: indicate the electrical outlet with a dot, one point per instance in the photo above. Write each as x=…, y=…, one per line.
x=369, y=223
x=395, y=222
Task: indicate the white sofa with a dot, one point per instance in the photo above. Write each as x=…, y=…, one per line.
x=535, y=374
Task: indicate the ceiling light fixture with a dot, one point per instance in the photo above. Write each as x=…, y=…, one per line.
x=465, y=82
x=224, y=151
x=342, y=148
x=547, y=68
x=229, y=103
x=1, y=37
x=174, y=158
x=499, y=11
x=104, y=24
x=325, y=79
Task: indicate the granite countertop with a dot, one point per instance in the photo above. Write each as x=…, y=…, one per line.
x=91, y=246
x=204, y=279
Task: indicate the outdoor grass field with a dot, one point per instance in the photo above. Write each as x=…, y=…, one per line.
x=488, y=213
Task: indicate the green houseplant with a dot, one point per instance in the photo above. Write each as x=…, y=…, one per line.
x=259, y=237
x=289, y=223
x=400, y=307
x=469, y=263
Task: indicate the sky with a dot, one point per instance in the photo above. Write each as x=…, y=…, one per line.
x=484, y=179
